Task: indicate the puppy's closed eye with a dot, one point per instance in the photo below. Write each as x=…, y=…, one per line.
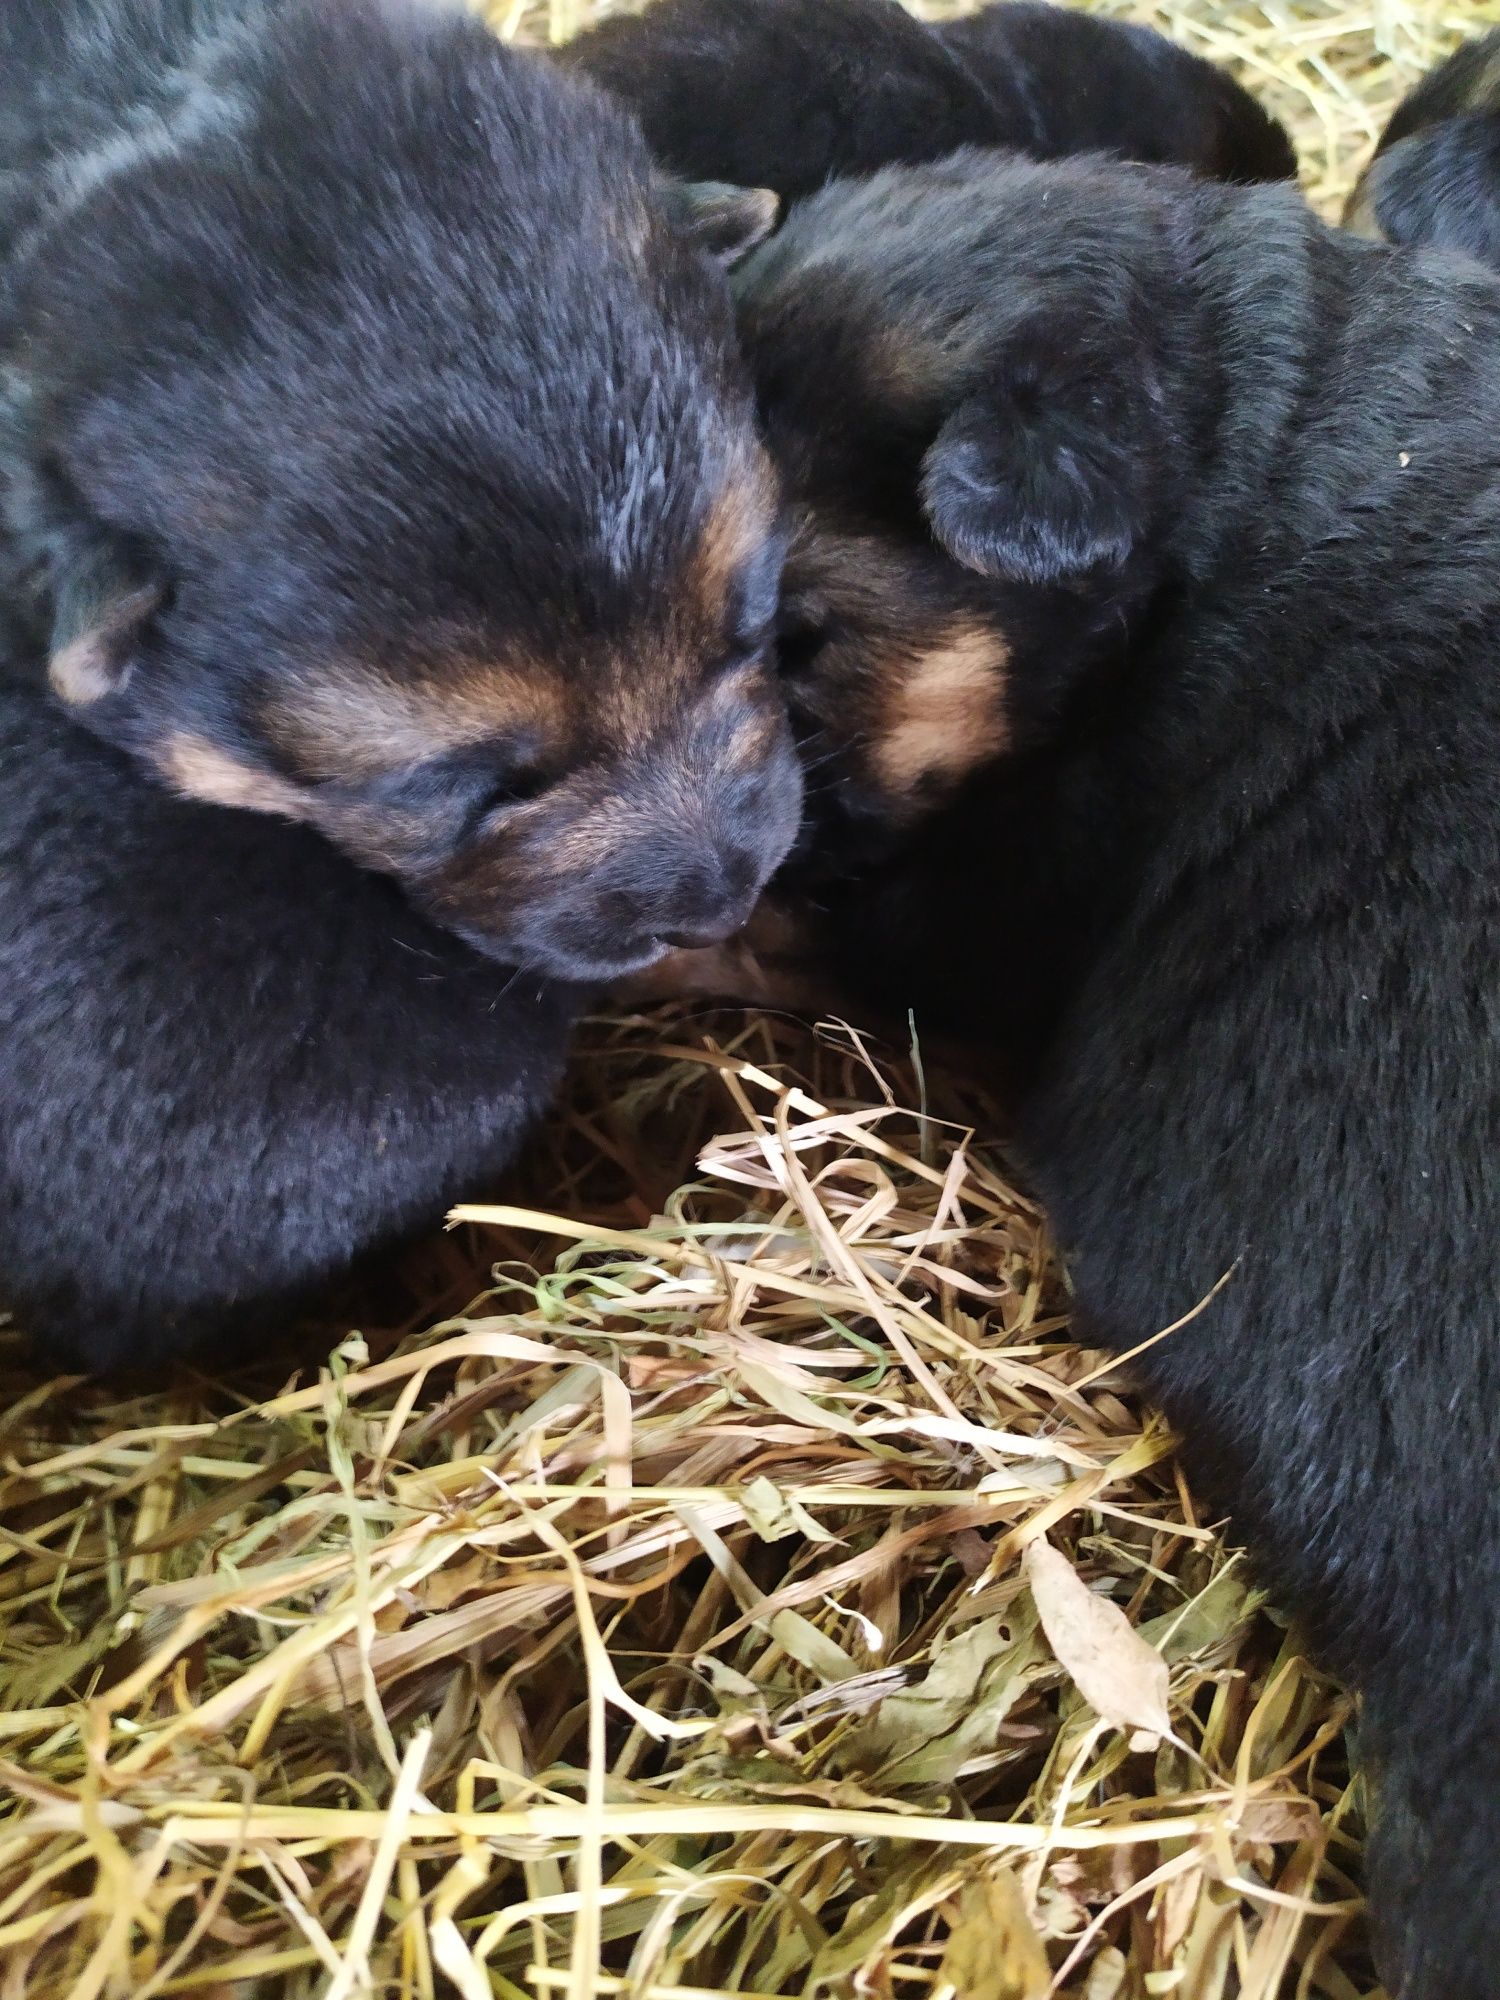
x=468, y=787
x=503, y=789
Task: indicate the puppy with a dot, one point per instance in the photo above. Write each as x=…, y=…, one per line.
x=1435, y=177
x=234, y=1061
x=375, y=455
x=789, y=93
x=1085, y=84
x=1226, y=892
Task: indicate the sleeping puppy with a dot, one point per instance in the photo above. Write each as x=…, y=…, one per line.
x=1085, y=84
x=787, y=94
x=1225, y=888
x=374, y=455
x=1435, y=177
x=378, y=474
x=234, y=1061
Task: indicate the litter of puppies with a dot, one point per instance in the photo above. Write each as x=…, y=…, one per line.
x=511, y=1593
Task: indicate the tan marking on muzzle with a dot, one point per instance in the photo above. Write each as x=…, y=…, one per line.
x=945, y=716
x=752, y=743
x=666, y=663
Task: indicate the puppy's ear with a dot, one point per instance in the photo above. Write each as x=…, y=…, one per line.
x=1036, y=483
x=104, y=596
x=1436, y=187
x=724, y=220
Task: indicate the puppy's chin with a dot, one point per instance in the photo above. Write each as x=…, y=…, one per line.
x=528, y=958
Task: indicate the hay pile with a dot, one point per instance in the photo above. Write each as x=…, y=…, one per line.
x=752, y=1592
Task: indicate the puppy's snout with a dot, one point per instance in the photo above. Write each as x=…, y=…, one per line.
x=695, y=903
x=666, y=848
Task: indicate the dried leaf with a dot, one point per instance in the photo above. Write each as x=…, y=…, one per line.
x=786, y=1397
x=1120, y=1676
x=927, y=1733
x=993, y=1950
x=810, y=1647
x=774, y=1516
x=1212, y=1616
x=1106, y=1976
x=875, y=1920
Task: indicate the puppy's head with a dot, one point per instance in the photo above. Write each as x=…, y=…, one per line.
x=1435, y=177
x=391, y=470
x=970, y=375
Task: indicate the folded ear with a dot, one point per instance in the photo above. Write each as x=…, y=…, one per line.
x=104, y=596
x=1436, y=187
x=724, y=220
x=1037, y=483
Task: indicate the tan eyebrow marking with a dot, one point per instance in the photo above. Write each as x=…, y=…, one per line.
x=352, y=723
x=201, y=770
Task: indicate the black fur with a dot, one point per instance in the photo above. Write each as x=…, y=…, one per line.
x=787, y=94
x=1076, y=83
x=375, y=452
x=233, y=1061
x=81, y=84
x=1435, y=178
x=1232, y=914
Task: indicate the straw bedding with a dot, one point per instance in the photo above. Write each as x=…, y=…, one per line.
x=714, y=1573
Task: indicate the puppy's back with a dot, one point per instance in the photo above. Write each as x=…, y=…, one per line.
x=233, y=1061
x=1090, y=85
x=789, y=94
x=81, y=77
x=786, y=93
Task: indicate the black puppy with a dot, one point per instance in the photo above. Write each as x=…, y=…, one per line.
x=1084, y=84
x=1229, y=901
x=233, y=1060
x=789, y=93
x=1435, y=177
x=375, y=454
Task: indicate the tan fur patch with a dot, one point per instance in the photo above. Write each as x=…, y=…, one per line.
x=592, y=833
x=945, y=716
x=738, y=523
x=347, y=724
x=752, y=742
x=650, y=686
x=910, y=367
x=94, y=664
x=201, y=770
x=1359, y=214
x=81, y=673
